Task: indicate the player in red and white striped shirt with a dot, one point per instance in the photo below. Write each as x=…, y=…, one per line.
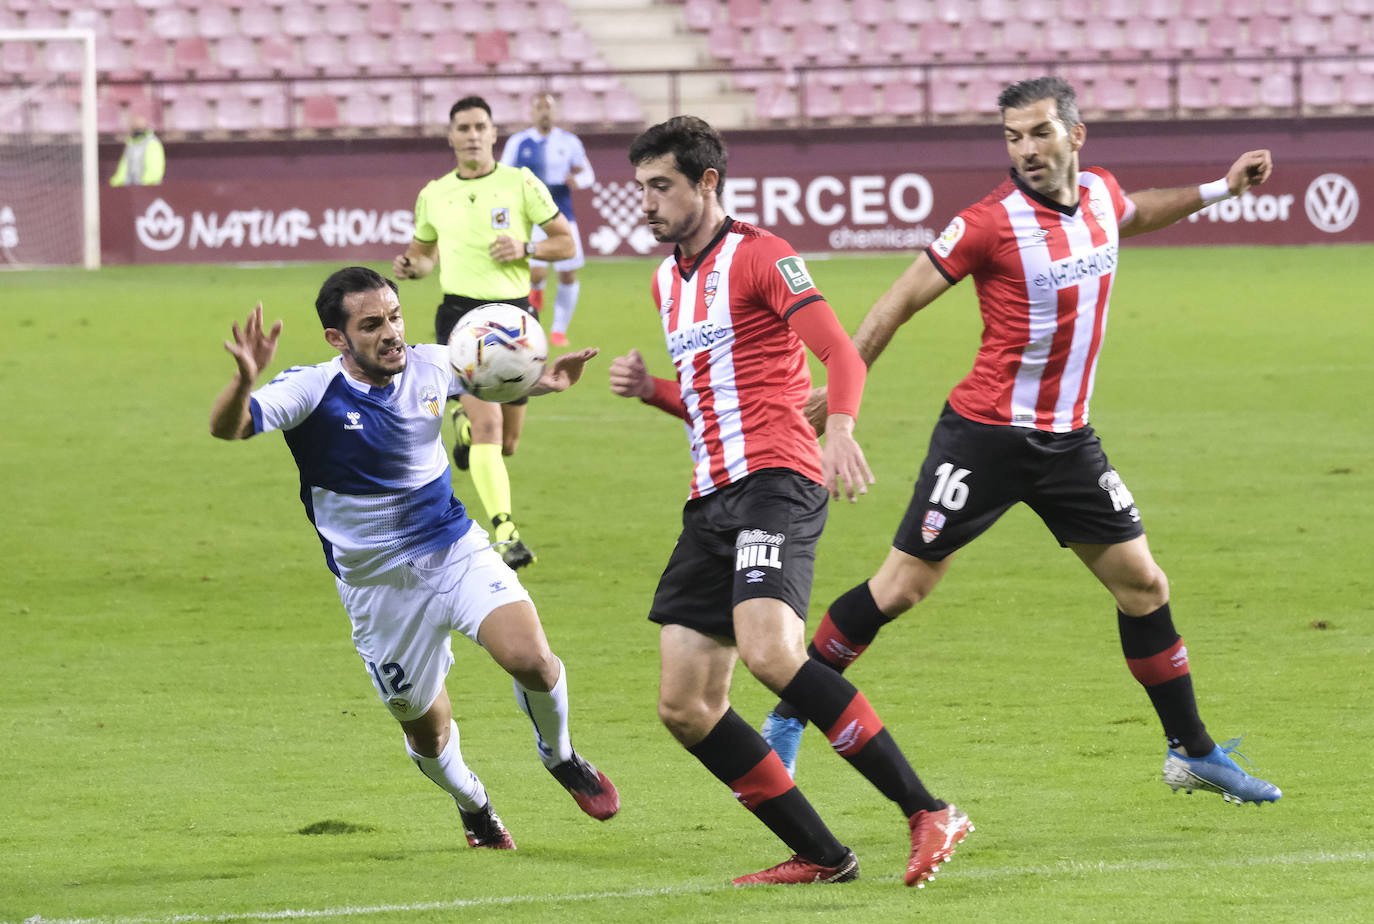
x=737, y=306
x=1042, y=251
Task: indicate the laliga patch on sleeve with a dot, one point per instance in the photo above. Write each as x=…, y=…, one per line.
x=794, y=274
x=944, y=244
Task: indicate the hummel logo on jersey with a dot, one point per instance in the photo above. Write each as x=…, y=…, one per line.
x=844, y=742
x=497, y=586
x=353, y=418
x=754, y=577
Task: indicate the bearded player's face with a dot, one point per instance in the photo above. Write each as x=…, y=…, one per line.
x=1043, y=151
x=674, y=207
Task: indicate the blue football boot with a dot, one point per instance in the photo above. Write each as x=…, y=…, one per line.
x=1217, y=772
x=784, y=736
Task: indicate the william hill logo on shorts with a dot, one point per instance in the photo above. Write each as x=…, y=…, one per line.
x=756, y=548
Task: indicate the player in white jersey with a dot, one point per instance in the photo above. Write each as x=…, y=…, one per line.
x=409, y=564
x=559, y=159
x=1042, y=249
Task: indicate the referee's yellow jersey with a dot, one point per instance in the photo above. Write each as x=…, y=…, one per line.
x=465, y=216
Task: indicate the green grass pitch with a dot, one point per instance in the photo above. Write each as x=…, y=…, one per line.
x=181, y=699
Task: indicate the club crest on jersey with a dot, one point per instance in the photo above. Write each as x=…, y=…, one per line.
x=794, y=274
x=429, y=400
x=944, y=244
x=500, y=218
x=757, y=548
x=1099, y=211
x=931, y=525
x=708, y=292
x=666, y=306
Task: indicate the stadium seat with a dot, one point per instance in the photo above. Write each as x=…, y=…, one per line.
x=770, y=43
x=979, y=37
x=537, y=48
x=700, y=15
x=62, y=58
x=577, y=48
x=859, y=97
x=56, y=117
x=258, y=20
x=904, y=97
x=895, y=42
x=384, y=17
x=831, y=12
x=235, y=113
x=949, y=11
x=191, y=57
x=775, y=101
x=623, y=108
x=580, y=106
x=872, y=12
x=1161, y=10
x=1358, y=89
x=1196, y=91
x=1103, y=37
x=321, y=54
x=128, y=23
x=1147, y=36
x=319, y=111
x=299, y=20
x=151, y=55
x=1236, y=91
x=111, y=58
x=491, y=48
x=913, y=12
x=1308, y=34
x=172, y=22
x=344, y=19
x=1265, y=35
x=469, y=16
x=1186, y=36
x=278, y=55
x=1224, y=33
x=744, y=12
x=820, y=103
x=215, y=21
x=43, y=18
x=448, y=51
x=189, y=112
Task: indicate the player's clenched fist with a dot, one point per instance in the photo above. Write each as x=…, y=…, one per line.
x=630, y=377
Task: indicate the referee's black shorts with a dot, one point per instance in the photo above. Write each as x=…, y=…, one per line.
x=452, y=309
x=754, y=538
x=974, y=472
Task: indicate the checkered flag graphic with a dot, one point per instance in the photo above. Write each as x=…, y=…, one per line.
x=618, y=206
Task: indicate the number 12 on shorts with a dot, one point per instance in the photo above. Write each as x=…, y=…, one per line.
x=950, y=491
x=396, y=678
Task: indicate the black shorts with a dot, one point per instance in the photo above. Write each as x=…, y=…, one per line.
x=974, y=472
x=452, y=309
x=754, y=538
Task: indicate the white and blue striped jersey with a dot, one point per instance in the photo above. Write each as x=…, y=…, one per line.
x=553, y=158
x=375, y=478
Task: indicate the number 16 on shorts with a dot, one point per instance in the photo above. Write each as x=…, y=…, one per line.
x=950, y=492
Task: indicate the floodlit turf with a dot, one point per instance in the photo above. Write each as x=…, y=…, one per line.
x=182, y=702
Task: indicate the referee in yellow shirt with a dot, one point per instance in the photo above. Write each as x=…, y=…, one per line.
x=475, y=223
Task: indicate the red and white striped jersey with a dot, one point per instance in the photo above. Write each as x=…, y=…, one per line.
x=1043, y=273
x=741, y=368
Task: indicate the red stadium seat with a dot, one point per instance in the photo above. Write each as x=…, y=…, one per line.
x=820, y=103
x=450, y=51
x=744, y=12
x=789, y=13
x=872, y=12
x=235, y=113
x=191, y=57
x=320, y=111
x=859, y=98
x=278, y=56
x=491, y=48
x=1235, y=91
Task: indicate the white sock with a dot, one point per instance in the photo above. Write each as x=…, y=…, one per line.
x=451, y=775
x=548, y=713
x=564, y=304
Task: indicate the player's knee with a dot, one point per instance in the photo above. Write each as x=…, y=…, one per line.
x=1142, y=590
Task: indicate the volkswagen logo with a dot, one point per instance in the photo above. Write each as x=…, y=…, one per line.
x=1332, y=203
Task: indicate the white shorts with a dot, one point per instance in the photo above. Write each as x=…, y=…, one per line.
x=575, y=262
x=401, y=627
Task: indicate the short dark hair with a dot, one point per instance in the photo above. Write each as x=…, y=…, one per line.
x=695, y=145
x=1025, y=92
x=469, y=102
x=340, y=285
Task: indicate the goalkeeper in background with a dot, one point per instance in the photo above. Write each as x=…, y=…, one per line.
x=144, y=161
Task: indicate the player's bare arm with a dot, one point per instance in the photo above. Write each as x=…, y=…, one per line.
x=252, y=350
x=1159, y=208
x=418, y=260
x=919, y=285
x=564, y=372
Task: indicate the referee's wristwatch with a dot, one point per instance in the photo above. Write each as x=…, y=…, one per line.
x=529, y=248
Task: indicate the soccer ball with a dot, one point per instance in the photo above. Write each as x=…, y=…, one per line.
x=498, y=352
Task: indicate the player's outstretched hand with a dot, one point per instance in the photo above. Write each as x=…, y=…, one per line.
x=843, y=466
x=815, y=409
x=564, y=371
x=251, y=348
x=630, y=377
x=1250, y=169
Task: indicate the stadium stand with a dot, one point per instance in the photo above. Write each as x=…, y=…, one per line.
x=790, y=61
